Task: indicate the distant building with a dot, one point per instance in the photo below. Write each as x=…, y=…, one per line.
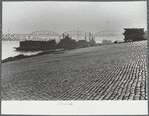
x=133, y=34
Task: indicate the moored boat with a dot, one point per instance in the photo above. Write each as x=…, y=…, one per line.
x=36, y=45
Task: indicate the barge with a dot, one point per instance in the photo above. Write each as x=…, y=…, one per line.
x=30, y=45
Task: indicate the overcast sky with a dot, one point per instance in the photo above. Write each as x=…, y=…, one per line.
x=27, y=17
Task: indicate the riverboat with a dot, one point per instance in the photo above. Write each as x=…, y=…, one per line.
x=30, y=45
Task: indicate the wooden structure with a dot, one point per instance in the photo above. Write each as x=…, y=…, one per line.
x=30, y=45
x=133, y=34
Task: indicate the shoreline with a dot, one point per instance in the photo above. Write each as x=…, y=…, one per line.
x=56, y=51
x=22, y=56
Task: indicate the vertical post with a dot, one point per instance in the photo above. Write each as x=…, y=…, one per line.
x=59, y=37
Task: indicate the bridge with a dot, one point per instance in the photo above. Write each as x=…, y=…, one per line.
x=44, y=35
x=78, y=35
x=109, y=35
x=14, y=37
x=74, y=34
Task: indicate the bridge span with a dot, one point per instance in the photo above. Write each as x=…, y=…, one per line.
x=74, y=34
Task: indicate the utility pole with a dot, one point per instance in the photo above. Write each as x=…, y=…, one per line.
x=8, y=36
x=90, y=36
x=85, y=37
x=78, y=34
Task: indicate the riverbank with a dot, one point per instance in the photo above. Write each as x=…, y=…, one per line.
x=111, y=72
x=22, y=56
x=8, y=50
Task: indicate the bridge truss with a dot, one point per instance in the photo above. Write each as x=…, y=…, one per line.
x=74, y=34
x=78, y=35
x=44, y=35
x=109, y=35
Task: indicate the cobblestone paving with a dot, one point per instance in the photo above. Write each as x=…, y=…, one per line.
x=116, y=72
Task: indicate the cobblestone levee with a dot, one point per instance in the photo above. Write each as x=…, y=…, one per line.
x=111, y=72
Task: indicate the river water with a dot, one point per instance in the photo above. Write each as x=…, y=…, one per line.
x=8, y=49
